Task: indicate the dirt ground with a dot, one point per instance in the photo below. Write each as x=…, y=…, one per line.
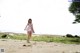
x=16, y=46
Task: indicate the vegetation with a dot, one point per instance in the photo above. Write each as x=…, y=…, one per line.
x=48, y=38
x=75, y=10
x=67, y=40
x=69, y=35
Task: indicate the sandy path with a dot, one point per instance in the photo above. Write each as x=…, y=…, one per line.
x=15, y=46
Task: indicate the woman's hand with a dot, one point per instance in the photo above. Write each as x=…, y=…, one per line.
x=33, y=31
x=24, y=29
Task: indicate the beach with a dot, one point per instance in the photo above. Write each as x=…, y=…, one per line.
x=16, y=46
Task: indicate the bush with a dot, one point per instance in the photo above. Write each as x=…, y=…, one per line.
x=69, y=35
x=4, y=36
x=63, y=36
x=76, y=36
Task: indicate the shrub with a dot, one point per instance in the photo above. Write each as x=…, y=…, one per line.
x=69, y=35
x=76, y=36
x=4, y=36
x=63, y=36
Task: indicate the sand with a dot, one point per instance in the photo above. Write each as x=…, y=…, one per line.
x=16, y=46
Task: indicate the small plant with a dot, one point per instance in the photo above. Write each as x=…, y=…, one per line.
x=76, y=36
x=4, y=36
x=69, y=35
x=63, y=36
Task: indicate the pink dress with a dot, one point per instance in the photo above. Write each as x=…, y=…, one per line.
x=30, y=28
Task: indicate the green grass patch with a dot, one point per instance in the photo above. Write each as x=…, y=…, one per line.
x=65, y=40
x=45, y=38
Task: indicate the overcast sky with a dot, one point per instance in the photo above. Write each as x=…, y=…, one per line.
x=49, y=16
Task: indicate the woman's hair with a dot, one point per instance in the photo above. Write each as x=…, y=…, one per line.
x=29, y=20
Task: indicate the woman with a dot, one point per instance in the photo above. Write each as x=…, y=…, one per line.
x=29, y=29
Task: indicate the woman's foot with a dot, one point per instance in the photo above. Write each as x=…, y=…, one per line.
x=28, y=41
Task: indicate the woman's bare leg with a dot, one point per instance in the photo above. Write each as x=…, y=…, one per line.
x=29, y=37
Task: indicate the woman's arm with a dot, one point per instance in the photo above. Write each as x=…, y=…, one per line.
x=33, y=29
